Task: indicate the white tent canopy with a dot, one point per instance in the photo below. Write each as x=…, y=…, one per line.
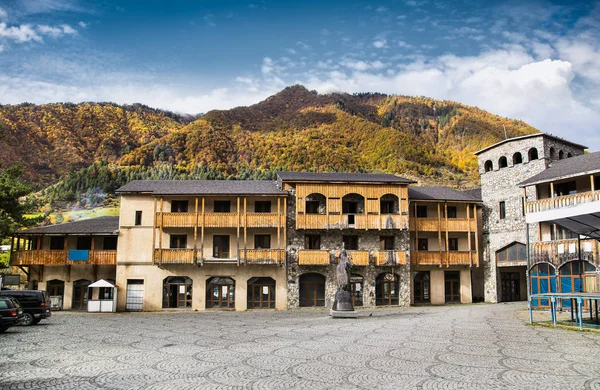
x=101, y=283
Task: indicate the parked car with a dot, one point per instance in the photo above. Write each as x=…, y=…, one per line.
x=11, y=313
x=35, y=303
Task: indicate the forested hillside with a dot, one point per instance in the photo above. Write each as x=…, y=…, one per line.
x=88, y=147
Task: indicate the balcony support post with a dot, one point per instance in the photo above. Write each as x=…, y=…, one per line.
x=447, y=243
x=160, y=233
x=238, y=228
x=592, y=183
x=66, y=245
x=202, y=234
x=285, y=225
x=245, y=230
x=196, y=230
x=439, y=212
x=18, y=244
x=469, y=237
x=154, y=223
x=476, y=233
x=278, y=222
x=68, y=272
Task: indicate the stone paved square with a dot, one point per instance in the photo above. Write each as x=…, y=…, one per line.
x=449, y=347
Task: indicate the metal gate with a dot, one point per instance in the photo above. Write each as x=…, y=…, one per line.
x=135, y=296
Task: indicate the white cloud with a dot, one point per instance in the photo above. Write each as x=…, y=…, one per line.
x=20, y=34
x=56, y=32
x=381, y=9
x=362, y=65
x=3, y=14
x=291, y=51
x=83, y=24
x=380, y=43
x=1, y=48
x=302, y=45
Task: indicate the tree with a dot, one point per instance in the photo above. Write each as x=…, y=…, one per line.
x=12, y=207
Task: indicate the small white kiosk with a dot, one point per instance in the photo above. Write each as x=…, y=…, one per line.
x=103, y=297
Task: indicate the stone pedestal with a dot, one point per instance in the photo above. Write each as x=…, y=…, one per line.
x=342, y=306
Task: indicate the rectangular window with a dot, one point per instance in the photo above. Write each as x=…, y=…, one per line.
x=178, y=241
x=502, y=210
x=349, y=207
x=453, y=244
x=57, y=243
x=313, y=241
x=451, y=211
x=262, y=206
x=387, y=243
x=84, y=243
x=262, y=241
x=423, y=244
x=312, y=207
x=221, y=247
x=222, y=206
x=350, y=242
x=179, y=206
x=138, y=218
x=387, y=206
x=421, y=211
x=110, y=243
x=567, y=188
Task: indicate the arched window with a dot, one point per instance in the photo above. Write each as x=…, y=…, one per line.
x=177, y=292
x=543, y=280
x=316, y=204
x=532, y=154
x=352, y=204
x=502, y=162
x=488, y=166
x=357, y=284
x=261, y=293
x=571, y=281
x=220, y=293
x=552, y=153
x=569, y=155
x=513, y=252
x=421, y=287
x=56, y=290
x=389, y=204
x=517, y=158
x=386, y=289
x=561, y=154
x=80, y=294
x=312, y=290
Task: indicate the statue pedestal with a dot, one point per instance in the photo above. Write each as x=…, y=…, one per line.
x=342, y=306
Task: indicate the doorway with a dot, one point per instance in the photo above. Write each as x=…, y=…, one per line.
x=421, y=287
x=177, y=292
x=261, y=293
x=220, y=293
x=80, y=294
x=312, y=290
x=452, y=286
x=511, y=286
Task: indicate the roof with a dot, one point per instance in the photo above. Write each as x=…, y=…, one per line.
x=530, y=136
x=101, y=283
x=202, y=187
x=584, y=164
x=100, y=226
x=444, y=193
x=342, y=177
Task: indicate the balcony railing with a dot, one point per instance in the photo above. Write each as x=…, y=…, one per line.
x=313, y=257
x=444, y=258
x=219, y=220
x=63, y=257
x=389, y=258
x=562, y=201
x=359, y=257
x=262, y=256
x=174, y=256
x=351, y=221
x=435, y=224
x=561, y=251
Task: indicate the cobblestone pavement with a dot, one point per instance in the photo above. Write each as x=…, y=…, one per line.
x=451, y=347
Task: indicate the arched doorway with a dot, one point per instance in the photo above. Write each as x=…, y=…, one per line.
x=543, y=280
x=421, y=287
x=220, y=293
x=357, y=284
x=352, y=204
x=572, y=279
x=312, y=290
x=56, y=291
x=386, y=289
x=261, y=293
x=80, y=294
x=177, y=292
x=315, y=204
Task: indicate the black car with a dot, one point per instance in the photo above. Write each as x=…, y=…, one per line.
x=11, y=313
x=35, y=303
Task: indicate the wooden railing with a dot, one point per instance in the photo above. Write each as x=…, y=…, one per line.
x=561, y=251
x=444, y=258
x=562, y=201
x=342, y=221
x=434, y=224
x=61, y=257
x=389, y=258
x=262, y=256
x=313, y=257
x=359, y=257
x=219, y=219
x=174, y=256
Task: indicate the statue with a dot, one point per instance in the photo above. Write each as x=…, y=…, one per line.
x=343, y=297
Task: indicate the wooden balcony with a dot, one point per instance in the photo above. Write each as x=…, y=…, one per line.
x=359, y=258
x=313, y=257
x=351, y=221
x=389, y=258
x=253, y=220
x=444, y=258
x=561, y=251
x=435, y=224
x=174, y=256
x=176, y=219
x=562, y=201
x=219, y=220
x=262, y=256
x=61, y=257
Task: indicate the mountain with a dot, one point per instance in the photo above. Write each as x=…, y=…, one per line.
x=90, y=145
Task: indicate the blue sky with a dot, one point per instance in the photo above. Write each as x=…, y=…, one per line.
x=536, y=61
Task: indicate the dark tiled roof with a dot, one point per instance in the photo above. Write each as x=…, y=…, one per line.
x=342, y=177
x=205, y=187
x=530, y=136
x=570, y=167
x=443, y=193
x=100, y=225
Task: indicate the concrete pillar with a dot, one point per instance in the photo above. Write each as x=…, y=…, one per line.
x=437, y=294
x=68, y=297
x=241, y=293
x=280, y=292
x=199, y=294
x=466, y=295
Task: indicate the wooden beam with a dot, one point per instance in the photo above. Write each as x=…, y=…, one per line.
x=552, y=190
x=592, y=183
x=196, y=230
x=416, y=229
x=446, y=217
x=278, y=222
x=476, y=233
x=237, y=248
x=439, y=210
x=160, y=233
x=202, y=234
x=285, y=225
x=245, y=229
x=154, y=223
x=469, y=237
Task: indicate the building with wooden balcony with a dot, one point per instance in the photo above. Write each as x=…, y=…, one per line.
x=203, y=244
x=367, y=214
x=563, y=203
x=65, y=259
x=445, y=231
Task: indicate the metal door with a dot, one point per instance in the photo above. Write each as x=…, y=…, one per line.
x=135, y=297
